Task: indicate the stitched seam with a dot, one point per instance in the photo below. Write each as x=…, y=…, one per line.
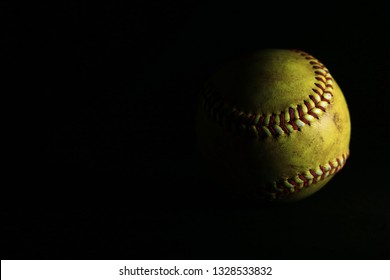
x=305, y=179
x=293, y=118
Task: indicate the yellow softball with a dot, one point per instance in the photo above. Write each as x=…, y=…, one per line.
x=274, y=125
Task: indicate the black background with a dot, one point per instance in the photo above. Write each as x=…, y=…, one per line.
x=120, y=176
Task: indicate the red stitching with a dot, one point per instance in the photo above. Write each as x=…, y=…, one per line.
x=283, y=124
x=259, y=125
x=301, y=115
x=313, y=98
x=320, y=86
x=292, y=182
x=324, y=99
x=270, y=125
x=320, y=73
x=314, y=175
x=252, y=119
x=323, y=172
x=313, y=114
x=307, y=103
x=321, y=79
x=316, y=91
x=213, y=105
x=305, y=181
x=321, y=108
x=282, y=189
x=292, y=118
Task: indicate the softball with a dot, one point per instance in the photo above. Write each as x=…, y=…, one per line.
x=273, y=125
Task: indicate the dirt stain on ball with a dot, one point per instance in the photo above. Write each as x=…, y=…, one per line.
x=337, y=121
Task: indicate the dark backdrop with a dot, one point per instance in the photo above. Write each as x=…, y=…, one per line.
x=120, y=176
